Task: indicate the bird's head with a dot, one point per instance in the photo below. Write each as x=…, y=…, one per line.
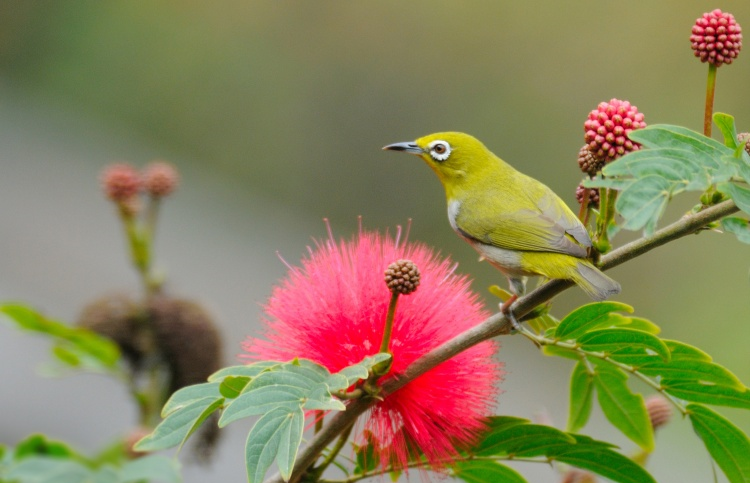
x=452, y=155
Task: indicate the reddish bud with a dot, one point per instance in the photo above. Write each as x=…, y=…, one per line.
x=121, y=182
x=716, y=38
x=593, y=195
x=160, y=179
x=659, y=411
x=608, y=126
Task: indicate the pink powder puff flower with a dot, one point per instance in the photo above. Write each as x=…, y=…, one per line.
x=332, y=310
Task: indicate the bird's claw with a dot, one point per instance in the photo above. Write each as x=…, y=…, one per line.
x=507, y=309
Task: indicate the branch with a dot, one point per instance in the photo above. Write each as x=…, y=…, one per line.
x=497, y=325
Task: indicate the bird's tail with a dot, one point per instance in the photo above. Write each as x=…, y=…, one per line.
x=597, y=285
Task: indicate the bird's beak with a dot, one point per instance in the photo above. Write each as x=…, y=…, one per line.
x=410, y=148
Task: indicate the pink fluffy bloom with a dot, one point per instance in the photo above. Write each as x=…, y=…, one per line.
x=332, y=310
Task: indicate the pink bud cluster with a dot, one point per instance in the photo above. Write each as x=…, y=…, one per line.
x=608, y=126
x=716, y=38
x=122, y=182
x=160, y=179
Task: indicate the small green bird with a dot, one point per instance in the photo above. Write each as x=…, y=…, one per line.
x=515, y=222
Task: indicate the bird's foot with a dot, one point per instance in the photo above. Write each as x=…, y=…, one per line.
x=507, y=309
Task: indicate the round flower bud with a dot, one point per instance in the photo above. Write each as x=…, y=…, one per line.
x=744, y=137
x=716, y=38
x=188, y=338
x=118, y=317
x=589, y=163
x=574, y=475
x=607, y=128
x=121, y=182
x=402, y=276
x=191, y=346
x=160, y=179
x=659, y=411
x=593, y=195
x=132, y=438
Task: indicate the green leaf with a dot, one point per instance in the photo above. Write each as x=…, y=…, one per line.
x=499, y=292
x=635, y=356
x=366, y=456
x=691, y=370
x=675, y=165
x=249, y=370
x=625, y=410
x=320, y=399
x=76, y=346
x=526, y=439
x=307, y=369
x=232, y=386
x=486, y=472
x=517, y=438
x=704, y=150
x=40, y=445
x=553, y=350
x=588, y=317
x=188, y=395
x=718, y=395
x=613, y=340
x=106, y=474
x=608, y=464
x=276, y=436
x=175, y=429
x=362, y=369
x=581, y=396
x=542, y=322
x=263, y=400
x=741, y=161
x=151, y=468
x=726, y=443
x=725, y=123
x=740, y=227
x=642, y=204
x=739, y=194
x=675, y=159
x=45, y=469
x=638, y=323
x=496, y=425
x=681, y=351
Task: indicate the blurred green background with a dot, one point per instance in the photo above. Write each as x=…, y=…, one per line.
x=275, y=113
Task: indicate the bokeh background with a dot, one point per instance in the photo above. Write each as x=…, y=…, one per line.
x=275, y=113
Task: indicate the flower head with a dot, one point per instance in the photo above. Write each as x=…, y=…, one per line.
x=332, y=310
x=659, y=411
x=402, y=276
x=716, y=38
x=160, y=179
x=608, y=126
x=589, y=163
x=593, y=195
x=121, y=182
x=744, y=138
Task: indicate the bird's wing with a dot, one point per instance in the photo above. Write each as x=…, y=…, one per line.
x=549, y=226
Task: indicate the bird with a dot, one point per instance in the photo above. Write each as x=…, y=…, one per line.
x=515, y=222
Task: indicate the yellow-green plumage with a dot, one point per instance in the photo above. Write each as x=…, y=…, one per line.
x=515, y=222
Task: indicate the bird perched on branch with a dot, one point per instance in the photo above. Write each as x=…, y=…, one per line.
x=515, y=222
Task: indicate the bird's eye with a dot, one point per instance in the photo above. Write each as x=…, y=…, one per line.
x=439, y=150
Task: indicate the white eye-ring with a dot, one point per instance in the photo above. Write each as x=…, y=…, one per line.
x=439, y=150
